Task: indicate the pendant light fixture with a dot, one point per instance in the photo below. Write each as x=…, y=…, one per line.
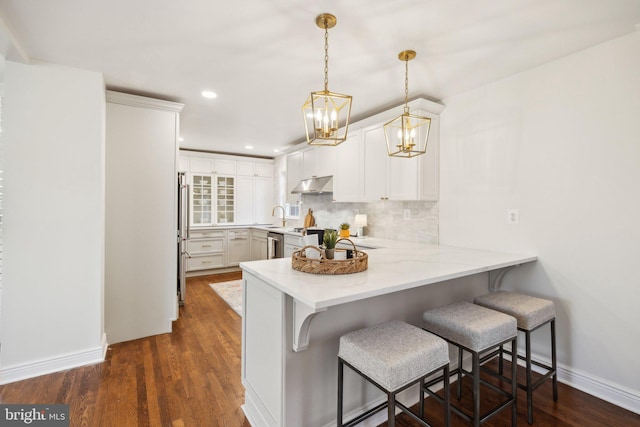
x=326, y=114
x=407, y=134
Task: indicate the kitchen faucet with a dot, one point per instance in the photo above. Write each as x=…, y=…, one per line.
x=273, y=212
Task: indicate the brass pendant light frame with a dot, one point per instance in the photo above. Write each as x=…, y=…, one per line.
x=326, y=114
x=407, y=134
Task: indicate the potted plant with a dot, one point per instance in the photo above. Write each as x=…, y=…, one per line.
x=344, y=230
x=330, y=238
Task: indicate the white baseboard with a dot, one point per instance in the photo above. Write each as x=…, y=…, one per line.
x=599, y=387
x=55, y=364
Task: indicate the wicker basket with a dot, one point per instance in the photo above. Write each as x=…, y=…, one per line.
x=358, y=263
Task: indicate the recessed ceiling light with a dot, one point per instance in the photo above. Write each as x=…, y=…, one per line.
x=181, y=139
x=275, y=150
x=209, y=94
x=249, y=147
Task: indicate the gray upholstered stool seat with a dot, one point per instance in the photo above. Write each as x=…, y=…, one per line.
x=531, y=313
x=392, y=356
x=473, y=327
x=477, y=330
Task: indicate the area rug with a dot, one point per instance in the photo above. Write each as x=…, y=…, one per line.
x=231, y=293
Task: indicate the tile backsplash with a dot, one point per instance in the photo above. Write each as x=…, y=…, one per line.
x=385, y=218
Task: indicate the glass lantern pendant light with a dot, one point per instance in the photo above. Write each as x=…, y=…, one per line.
x=326, y=114
x=407, y=134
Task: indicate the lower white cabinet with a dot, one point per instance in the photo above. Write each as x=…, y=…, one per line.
x=291, y=244
x=238, y=247
x=258, y=245
x=206, y=249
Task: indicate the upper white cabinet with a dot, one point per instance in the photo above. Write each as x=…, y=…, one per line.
x=254, y=207
x=228, y=189
x=213, y=166
x=348, y=179
x=251, y=168
x=363, y=172
x=294, y=175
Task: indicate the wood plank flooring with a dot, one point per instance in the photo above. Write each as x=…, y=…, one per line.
x=191, y=378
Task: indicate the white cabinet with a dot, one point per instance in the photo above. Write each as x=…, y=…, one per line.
x=258, y=245
x=318, y=161
x=238, y=246
x=212, y=199
x=254, y=200
x=212, y=166
x=249, y=168
x=206, y=249
x=294, y=175
x=348, y=179
x=291, y=244
x=374, y=154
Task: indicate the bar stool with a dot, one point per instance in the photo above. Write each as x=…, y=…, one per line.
x=393, y=356
x=477, y=330
x=531, y=313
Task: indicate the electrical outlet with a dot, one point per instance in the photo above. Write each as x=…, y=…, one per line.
x=513, y=216
x=407, y=214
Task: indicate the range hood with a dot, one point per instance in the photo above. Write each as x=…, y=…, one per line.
x=314, y=185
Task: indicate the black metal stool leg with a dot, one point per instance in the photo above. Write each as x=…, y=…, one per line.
x=476, y=388
x=514, y=381
x=501, y=360
x=529, y=384
x=554, y=364
x=340, y=383
x=391, y=410
x=446, y=404
x=459, y=385
x=421, y=408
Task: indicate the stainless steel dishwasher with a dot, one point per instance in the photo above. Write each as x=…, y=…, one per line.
x=275, y=245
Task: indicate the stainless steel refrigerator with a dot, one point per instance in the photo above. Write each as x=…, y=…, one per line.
x=183, y=234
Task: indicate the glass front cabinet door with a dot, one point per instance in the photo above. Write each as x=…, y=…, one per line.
x=212, y=199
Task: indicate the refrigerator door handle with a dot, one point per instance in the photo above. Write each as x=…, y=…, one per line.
x=188, y=210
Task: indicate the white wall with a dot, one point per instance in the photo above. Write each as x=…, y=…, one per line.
x=561, y=143
x=52, y=316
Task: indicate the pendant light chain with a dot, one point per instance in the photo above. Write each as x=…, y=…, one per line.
x=406, y=84
x=326, y=56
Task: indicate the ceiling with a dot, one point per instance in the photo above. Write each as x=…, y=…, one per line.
x=263, y=57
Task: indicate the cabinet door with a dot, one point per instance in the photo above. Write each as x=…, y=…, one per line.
x=403, y=177
x=348, y=174
x=264, y=170
x=245, y=169
x=200, y=165
x=263, y=201
x=375, y=163
x=245, y=195
x=201, y=199
x=225, y=189
x=258, y=248
x=294, y=175
x=310, y=162
x=224, y=167
x=238, y=247
x=326, y=160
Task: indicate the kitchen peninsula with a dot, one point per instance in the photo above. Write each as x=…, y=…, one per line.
x=292, y=321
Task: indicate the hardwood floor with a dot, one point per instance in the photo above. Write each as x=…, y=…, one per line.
x=191, y=378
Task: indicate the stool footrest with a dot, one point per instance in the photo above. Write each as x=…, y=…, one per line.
x=366, y=415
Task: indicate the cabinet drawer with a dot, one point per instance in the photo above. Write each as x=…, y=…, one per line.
x=205, y=262
x=205, y=245
x=204, y=234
